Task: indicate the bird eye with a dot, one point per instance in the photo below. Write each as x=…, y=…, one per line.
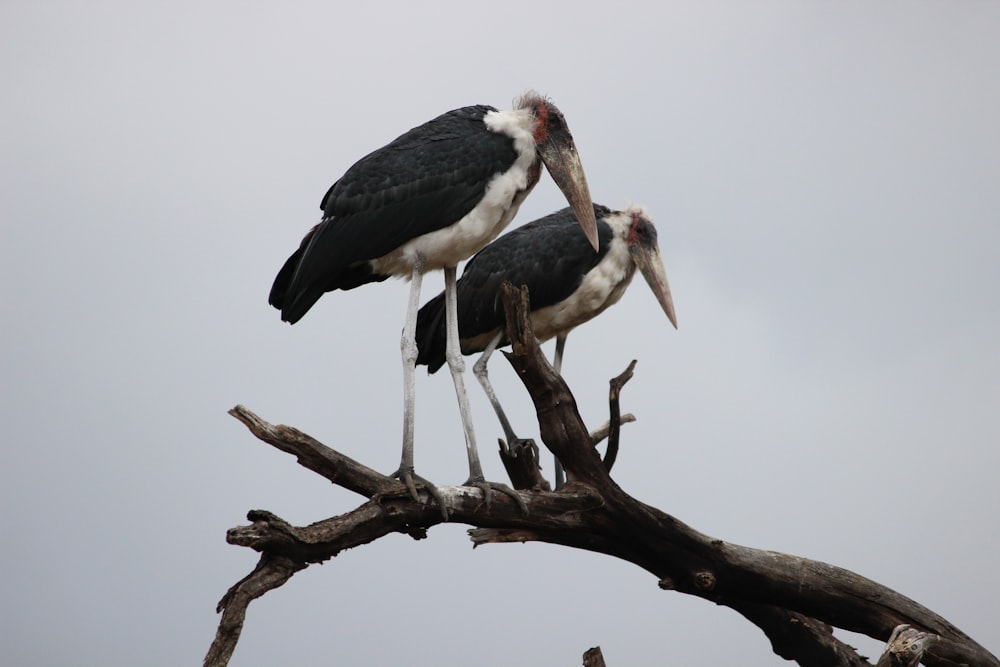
x=551, y=116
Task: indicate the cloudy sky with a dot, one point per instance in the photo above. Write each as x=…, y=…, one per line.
x=824, y=177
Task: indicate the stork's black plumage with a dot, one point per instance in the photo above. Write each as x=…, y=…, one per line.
x=567, y=282
x=428, y=200
x=553, y=261
x=425, y=180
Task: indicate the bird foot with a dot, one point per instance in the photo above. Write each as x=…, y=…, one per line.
x=517, y=444
x=488, y=488
x=410, y=479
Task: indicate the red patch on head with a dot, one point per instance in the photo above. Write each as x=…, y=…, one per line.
x=636, y=230
x=541, y=122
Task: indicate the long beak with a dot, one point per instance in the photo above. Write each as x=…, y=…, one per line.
x=558, y=153
x=651, y=265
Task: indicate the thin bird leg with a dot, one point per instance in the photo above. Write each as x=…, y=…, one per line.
x=560, y=347
x=557, y=364
x=482, y=374
x=456, y=364
x=481, y=371
x=408, y=346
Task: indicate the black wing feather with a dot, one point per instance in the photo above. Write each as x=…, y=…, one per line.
x=424, y=180
x=549, y=255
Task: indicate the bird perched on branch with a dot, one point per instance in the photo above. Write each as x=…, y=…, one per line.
x=428, y=200
x=567, y=282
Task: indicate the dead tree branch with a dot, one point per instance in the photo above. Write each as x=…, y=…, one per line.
x=594, y=658
x=615, y=428
x=795, y=601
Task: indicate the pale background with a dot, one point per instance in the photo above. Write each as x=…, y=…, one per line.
x=825, y=181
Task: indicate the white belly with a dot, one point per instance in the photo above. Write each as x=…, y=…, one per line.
x=455, y=243
x=601, y=288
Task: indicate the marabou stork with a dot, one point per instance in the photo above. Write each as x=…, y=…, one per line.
x=428, y=200
x=568, y=284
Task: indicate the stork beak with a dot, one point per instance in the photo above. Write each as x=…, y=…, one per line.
x=558, y=153
x=651, y=265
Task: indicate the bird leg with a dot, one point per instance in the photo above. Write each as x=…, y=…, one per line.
x=560, y=348
x=482, y=374
x=456, y=364
x=481, y=371
x=557, y=364
x=408, y=346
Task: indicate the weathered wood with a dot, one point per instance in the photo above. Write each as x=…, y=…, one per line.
x=314, y=455
x=604, y=430
x=615, y=423
x=271, y=572
x=795, y=601
x=905, y=647
x=593, y=657
x=520, y=460
x=797, y=637
x=908, y=647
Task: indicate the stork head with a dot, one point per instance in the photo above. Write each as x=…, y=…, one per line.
x=555, y=146
x=645, y=252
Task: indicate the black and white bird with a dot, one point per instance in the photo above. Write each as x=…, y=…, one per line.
x=568, y=285
x=428, y=200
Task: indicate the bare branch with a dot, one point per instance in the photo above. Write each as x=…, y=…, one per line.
x=271, y=572
x=593, y=658
x=314, y=455
x=797, y=637
x=615, y=427
x=606, y=520
x=604, y=430
x=795, y=601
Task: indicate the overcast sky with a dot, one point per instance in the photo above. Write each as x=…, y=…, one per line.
x=824, y=177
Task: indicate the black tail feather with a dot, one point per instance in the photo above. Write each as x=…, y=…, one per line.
x=280, y=287
x=295, y=303
x=293, y=306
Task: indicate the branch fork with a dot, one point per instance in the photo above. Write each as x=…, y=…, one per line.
x=795, y=601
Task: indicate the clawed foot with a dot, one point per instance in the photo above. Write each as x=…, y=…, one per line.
x=489, y=487
x=516, y=444
x=410, y=479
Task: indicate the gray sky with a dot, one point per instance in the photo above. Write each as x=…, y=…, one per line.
x=824, y=179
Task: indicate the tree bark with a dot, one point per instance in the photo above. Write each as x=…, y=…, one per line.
x=594, y=658
x=795, y=601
